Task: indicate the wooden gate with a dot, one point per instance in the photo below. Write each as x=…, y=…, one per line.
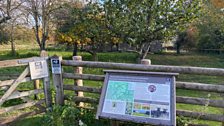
x=10, y=90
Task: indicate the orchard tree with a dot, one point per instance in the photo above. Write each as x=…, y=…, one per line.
x=86, y=27
x=39, y=16
x=147, y=20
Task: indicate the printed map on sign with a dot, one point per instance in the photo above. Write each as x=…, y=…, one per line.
x=141, y=98
x=119, y=91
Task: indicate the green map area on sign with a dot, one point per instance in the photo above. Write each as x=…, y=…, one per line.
x=118, y=90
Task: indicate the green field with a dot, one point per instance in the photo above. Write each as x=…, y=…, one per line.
x=193, y=59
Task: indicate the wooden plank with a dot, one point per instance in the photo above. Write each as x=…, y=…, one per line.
x=203, y=116
x=14, y=85
x=82, y=88
x=13, y=118
x=58, y=84
x=142, y=72
x=3, y=76
x=84, y=76
x=9, y=82
x=4, y=88
x=24, y=94
x=32, y=59
x=201, y=86
x=125, y=66
x=19, y=62
x=47, y=89
x=182, y=85
x=10, y=63
x=21, y=106
x=200, y=101
x=82, y=99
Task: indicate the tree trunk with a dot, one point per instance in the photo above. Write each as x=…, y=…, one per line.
x=42, y=46
x=142, y=54
x=12, y=41
x=75, y=49
x=117, y=47
x=178, y=48
x=146, y=51
x=67, y=46
x=13, y=47
x=95, y=57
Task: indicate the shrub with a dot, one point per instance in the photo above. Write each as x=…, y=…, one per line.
x=71, y=116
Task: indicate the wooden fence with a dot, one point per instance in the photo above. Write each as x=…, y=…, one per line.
x=10, y=90
x=78, y=76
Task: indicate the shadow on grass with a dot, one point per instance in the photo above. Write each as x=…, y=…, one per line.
x=30, y=121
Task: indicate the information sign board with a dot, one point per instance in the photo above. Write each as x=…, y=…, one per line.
x=142, y=97
x=38, y=69
x=56, y=66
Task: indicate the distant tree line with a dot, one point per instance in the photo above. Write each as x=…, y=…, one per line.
x=194, y=23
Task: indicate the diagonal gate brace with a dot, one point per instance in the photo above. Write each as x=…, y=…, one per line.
x=14, y=85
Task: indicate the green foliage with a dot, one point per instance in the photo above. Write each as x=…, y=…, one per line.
x=211, y=27
x=86, y=26
x=145, y=21
x=182, y=121
x=62, y=116
x=71, y=116
x=185, y=40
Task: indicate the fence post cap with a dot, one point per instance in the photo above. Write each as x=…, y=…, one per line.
x=43, y=53
x=77, y=58
x=146, y=61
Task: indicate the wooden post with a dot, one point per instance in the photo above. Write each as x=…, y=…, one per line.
x=146, y=61
x=46, y=83
x=47, y=91
x=36, y=84
x=78, y=82
x=57, y=79
x=114, y=123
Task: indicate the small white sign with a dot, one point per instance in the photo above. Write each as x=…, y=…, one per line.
x=56, y=66
x=38, y=69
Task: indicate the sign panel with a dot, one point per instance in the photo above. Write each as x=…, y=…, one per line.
x=56, y=66
x=142, y=97
x=38, y=69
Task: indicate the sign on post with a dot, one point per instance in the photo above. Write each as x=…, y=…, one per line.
x=56, y=65
x=142, y=97
x=38, y=69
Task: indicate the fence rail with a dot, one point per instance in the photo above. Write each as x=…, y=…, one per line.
x=124, y=66
x=183, y=85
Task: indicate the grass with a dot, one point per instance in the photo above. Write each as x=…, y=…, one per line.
x=194, y=59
